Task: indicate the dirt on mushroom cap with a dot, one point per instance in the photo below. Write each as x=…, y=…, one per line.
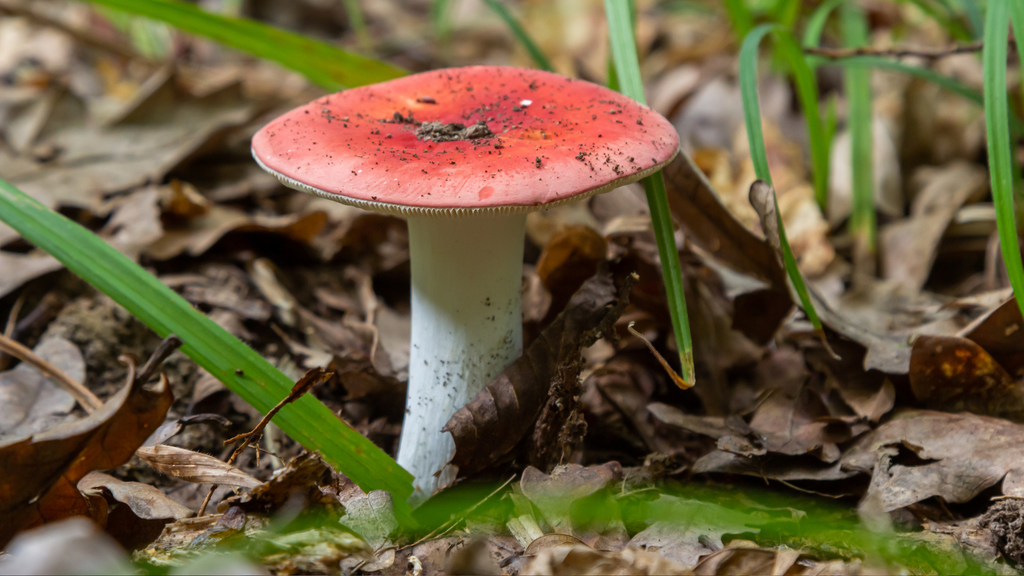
x=466, y=138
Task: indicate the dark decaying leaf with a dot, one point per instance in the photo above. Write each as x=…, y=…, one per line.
x=962, y=454
x=712, y=227
x=500, y=415
x=194, y=467
x=955, y=374
x=305, y=475
x=39, y=474
x=138, y=512
x=999, y=333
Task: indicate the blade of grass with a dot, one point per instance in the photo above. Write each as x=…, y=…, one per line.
x=326, y=65
x=627, y=68
x=441, y=18
x=859, y=119
x=236, y=365
x=1017, y=21
x=358, y=23
x=740, y=17
x=944, y=18
x=807, y=91
x=997, y=130
x=759, y=156
x=535, y=52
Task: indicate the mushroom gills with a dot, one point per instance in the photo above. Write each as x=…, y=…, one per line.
x=466, y=328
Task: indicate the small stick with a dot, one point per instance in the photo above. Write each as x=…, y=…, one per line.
x=927, y=53
x=83, y=395
x=166, y=347
x=310, y=379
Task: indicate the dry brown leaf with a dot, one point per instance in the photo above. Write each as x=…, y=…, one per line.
x=199, y=234
x=587, y=561
x=147, y=502
x=38, y=474
x=999, y=332
x=32, y=402
x=908, y=246
x=194, y=467
x=17, y=269
x=555, y=494
x=497, y=418
x=955, y=375
x=960, y=455
x=571, y=256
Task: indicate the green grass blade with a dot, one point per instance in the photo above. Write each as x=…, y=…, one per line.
x=807, y=91
x=326, y=65
x=441, y=18
x=859, y=119
x=236, y=365
x=816, y=23
x=358, y=23
x=945, y=18
x=1017, y=20
x=740, y=17
x=627, y=68
x=759, y=156
x=535, y=52
x=997, y=128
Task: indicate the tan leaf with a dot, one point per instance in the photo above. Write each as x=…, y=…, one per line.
x=194, y=467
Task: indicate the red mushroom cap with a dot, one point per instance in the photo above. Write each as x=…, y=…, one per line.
x=466, y=139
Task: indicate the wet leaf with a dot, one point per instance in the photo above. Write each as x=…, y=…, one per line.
x=194, y=467
x=39, y=474
x=500, y=415
x=955, y=374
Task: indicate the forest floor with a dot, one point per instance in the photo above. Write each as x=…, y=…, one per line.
x=900, y=453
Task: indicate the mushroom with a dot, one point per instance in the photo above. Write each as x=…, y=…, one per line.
x=463, y=154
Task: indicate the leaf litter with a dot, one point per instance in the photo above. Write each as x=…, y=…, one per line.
x=913, y=424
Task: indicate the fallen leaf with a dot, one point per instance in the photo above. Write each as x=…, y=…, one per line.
x=571, y=256
x=955, y=375
x=194, y=467
x=197, y=235
x=138, y=512
x=958, y=456
x=31, y=401
x=38, y=474
x=587, y=561
x=17, y=269
x=555, y=494
x=908, y=247
x=500, y=415
x=998, y=331
x=306, y=476
x=684, y=530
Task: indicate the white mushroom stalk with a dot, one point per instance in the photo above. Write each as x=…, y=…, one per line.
x=466, y=328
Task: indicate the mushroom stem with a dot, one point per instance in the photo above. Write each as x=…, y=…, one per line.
x=466, y=328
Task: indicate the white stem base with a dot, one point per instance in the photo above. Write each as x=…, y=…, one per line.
x=466, y=328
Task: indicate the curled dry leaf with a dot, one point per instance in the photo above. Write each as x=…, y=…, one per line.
x=194, y=467
x=500, y=415
x=955, y=374
x=583, y=560
x=38, y=474
x=147, y=502
x=999, y=332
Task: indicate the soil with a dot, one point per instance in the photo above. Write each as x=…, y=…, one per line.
x=440, y=132
x=1006, y=520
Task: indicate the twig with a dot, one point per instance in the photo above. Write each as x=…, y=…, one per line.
x=83, y=395
x=679, y=381
x=166, y=347
x=310, y=379
x=926, y=53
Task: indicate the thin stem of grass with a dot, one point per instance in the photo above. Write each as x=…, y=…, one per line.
x=997, y=130
x=759, y=157
x=627, y=68
x=859, y=120
x=520, y=33
x=358, y=24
